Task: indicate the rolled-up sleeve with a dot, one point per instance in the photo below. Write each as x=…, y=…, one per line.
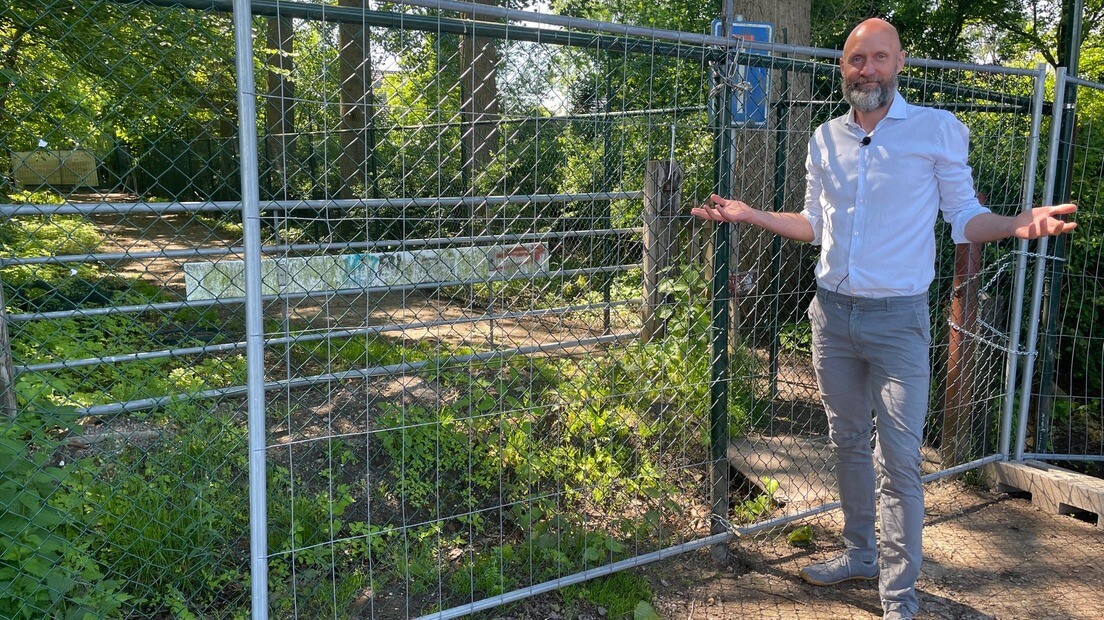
x=814, y=206
x=957, y=198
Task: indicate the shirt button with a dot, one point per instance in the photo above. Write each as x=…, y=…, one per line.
x=856, y=234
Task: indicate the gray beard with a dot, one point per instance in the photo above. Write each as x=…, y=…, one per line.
x=868, y=101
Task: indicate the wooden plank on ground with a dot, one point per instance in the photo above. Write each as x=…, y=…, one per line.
x=802, y=466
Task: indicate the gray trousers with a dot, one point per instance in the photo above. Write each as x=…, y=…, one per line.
x=871, y=362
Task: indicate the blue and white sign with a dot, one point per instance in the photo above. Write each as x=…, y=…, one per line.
x=749, y=105
x=307, y=274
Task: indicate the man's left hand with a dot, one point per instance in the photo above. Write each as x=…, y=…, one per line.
x=1044, y=222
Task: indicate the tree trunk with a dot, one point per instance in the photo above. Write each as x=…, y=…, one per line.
x=355, y=158
x=7, y=369
x=479, y=108
x=770, y=174
x=10, y=58
x=279, y=106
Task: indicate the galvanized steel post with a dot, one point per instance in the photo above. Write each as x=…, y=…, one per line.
x=254, y=326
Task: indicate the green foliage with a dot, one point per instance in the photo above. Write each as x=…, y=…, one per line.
x=678, y=365
x=354, y=352
x=796, y=338
x=177, y=66
x=35, y=197
x=76, y=338
x=620, y=594
x=49, y=287
x=48, y=235
x=440, y=455
x=161, y=518
x=170, y=519
x=45, y=564
x=750, y=510
x=682, y=15
x=302, y=524
x=553, y=548
x=159, y=529
x=801, y=536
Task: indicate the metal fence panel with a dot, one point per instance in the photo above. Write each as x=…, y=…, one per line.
x=780, y=446
x=474, y=415
x=1064, y=420
x=125, y=491
x=463, y=403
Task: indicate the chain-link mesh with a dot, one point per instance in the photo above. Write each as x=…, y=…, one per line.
x=124, y=487
x=469, y=396
x=1066, y=418
x=481, y=416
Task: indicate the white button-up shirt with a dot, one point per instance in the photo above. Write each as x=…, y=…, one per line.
x=873, y=207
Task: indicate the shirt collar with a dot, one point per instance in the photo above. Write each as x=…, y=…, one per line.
x=898, y=109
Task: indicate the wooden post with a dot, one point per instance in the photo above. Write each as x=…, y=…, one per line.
x=958, y=415
x=662, y=187
x=7, y=371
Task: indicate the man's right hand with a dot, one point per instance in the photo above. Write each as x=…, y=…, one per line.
x=789, y=225
x=723, y=210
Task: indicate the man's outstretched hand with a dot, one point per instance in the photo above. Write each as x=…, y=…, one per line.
x=1043, y=222
x=723, y=210
x=788, y=225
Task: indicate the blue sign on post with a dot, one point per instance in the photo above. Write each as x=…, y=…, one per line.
x=749, y=104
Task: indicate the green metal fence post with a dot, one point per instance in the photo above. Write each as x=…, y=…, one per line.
x=718, y=388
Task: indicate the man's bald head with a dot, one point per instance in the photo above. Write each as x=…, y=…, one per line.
x=874, y=27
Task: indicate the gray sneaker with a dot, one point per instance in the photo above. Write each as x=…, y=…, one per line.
x=839, y=569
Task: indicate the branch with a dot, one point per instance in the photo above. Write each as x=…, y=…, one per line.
x=1031, y=37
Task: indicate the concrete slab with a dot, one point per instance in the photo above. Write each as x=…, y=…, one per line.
x=1053, y=489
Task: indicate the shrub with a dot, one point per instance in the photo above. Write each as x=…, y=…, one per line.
x=46, y=570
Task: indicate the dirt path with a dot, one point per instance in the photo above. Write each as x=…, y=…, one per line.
x=986, y=556
x=425, y=314
x=141, y=233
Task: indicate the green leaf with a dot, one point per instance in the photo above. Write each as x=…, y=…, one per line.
x=770, y=485
x=592, y=554
x=644, y=611
x=614, y=545
x=801, y=537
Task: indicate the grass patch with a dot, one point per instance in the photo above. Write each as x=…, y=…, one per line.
x=619, y=594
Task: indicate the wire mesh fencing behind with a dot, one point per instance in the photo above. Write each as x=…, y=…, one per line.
x=981, y=294
x=458, y=402
x=489, y=333
x=125, y=490
x=462, y=407
x=1066, y=420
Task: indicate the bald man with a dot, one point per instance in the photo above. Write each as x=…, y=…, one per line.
x=877, y=178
